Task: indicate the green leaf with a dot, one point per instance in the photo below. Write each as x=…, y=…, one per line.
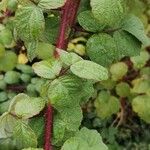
x=141, y=60
x=48, y=69
x=31, y=49
x=26, y=107
x=68, y=91
x=45, y=50
x=51, y=4
x=32, y=149
x=12, y=77
x=7, y=144
x=102, y=49
x=106, y=49
x=71, y=117
x=51, y=30
x=3, y=96
x=5, y=63
x=123, y=89
x=106, y=105
x=3, y=5
x=88, y=22
x=133, y=25
x=69, y=58
x=37, y=125
x=4, y=106
x=25, y=69
x=29, y=22
x=24, y=136
x=108, y=12
x=89, y=70
x=63, y=91
x=141, y=105
x=6, y=37
x=127, y=44
x=7, y=124
x=85, y=139
x=140, y=85
x=118, y=70
x=58, y=130
x=2, y=50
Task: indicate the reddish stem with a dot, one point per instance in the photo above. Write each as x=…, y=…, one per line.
x=68, y=16
x=48, y=127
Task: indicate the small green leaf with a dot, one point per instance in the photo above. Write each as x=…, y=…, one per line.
x=89, y=23
x=7, y=124
x=45, y=50
x=6, y=37
x=51, y=4
x=48, y=69
x=89, y=70
x=108, y=12
x=85, y=139
x=140, y=85
x=141, y=105
x=29, y=22
x=24, y=136
x=123, y=89
x=141, y=60
x=5, y=63
x=12, y=77
x=26, y=107
x=133, y=25
x=118, y=70
x=106, y=105
x=69, y=58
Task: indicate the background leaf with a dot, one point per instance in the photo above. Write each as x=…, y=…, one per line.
x=85, y=139
x=108, y=12
x=133, y=25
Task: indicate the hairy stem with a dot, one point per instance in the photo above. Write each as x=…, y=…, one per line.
x=68, y=17
x=48, y=127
